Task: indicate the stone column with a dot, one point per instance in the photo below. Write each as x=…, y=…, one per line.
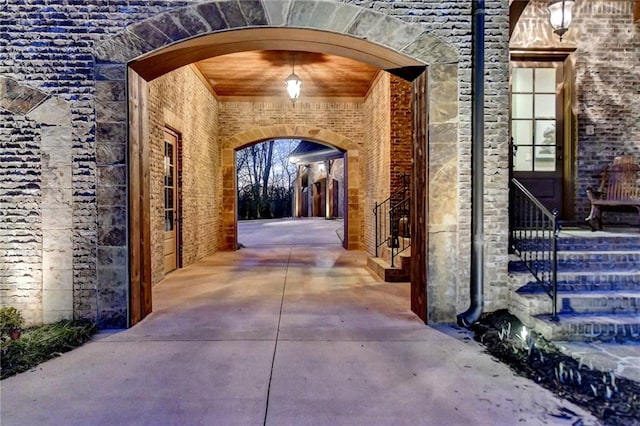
x=355, y=230
x=229, y=193
x=111, y=188
x=57, y=208
x=298, y=193
x=327, y=190
x=443, y=193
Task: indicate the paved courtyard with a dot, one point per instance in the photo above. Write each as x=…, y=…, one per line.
x=280, y=334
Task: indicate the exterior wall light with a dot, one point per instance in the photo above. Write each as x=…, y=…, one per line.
x=293, y=83
x=560, y=15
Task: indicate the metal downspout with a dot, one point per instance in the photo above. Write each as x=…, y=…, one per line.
x=476, y=296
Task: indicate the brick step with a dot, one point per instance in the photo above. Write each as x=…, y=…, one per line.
x=592, y=261
x=581, y=281
x=385, y=250
x=605, y=243
x=589, y=327
x=587, y=241
x=599, y=302
x=529, y=305
x=387, y=273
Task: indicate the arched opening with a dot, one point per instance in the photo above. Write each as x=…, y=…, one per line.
x=351, y=159
x=141, y=53
x=313, y=175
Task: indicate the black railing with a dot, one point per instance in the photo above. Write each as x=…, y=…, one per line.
x=399, y=218
x=392, y=221
x=381, y=213
x=533, y=236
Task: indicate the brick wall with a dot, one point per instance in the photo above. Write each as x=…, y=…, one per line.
x=345, y=118
x=181, y=101
x=376, y=155
x=606, y=82
x=389, y=146
x=401, y=122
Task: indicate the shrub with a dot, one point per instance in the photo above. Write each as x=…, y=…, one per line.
x=39, y=344
x=11, y=322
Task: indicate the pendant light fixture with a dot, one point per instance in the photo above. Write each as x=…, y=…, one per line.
x=560, y=14
x=292, y=82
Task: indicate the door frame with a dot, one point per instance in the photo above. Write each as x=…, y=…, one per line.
x=177, y=193
x=565, y=127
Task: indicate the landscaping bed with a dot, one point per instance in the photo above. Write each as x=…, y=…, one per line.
x=38, y=344
x=615, y=400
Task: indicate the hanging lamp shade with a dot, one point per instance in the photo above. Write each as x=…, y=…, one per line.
x=293, y=86
x=560, y=15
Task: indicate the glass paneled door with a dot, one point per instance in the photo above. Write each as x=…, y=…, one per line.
x=537, y=130
x=170, y=202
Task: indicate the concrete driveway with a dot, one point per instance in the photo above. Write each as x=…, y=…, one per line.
x=280, y=335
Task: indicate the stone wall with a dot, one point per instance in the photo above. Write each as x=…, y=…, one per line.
x=21, y=207
x=376, y=155
x=180, y=101
x=606, y=77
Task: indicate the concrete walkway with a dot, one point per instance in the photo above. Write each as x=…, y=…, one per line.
x=280, y=335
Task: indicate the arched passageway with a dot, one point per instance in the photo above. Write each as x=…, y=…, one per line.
x=351, y=157
x=142, y=53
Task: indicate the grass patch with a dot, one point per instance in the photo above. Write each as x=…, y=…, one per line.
x=39, y=344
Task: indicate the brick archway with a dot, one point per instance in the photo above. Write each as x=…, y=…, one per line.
x=259, y=134
x=160, y=44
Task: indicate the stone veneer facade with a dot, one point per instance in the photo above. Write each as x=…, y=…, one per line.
x=71, y=57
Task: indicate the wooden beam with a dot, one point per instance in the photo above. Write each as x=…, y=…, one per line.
x=145, y=197
x=419, y=199
x=515, y=11
x=139, y=208
x=135, y=314
x=636, y=11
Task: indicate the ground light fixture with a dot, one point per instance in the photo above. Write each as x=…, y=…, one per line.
x=560, y=14
x=293, y=83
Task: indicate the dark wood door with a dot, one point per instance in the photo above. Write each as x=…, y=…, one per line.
x=537, y=130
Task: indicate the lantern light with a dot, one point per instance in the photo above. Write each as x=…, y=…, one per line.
x=560, y=14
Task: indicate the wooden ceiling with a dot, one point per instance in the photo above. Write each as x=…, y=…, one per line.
x=263, y=73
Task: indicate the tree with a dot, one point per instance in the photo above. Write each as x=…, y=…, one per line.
x=264, y=179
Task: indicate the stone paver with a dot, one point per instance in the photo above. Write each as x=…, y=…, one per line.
x=622, y=359
x=280, y=335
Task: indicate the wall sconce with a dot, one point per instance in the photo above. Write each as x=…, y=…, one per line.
x=293, y=83
x=560, y=15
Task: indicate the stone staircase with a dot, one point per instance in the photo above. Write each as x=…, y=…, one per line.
x=598, y=288
x=381, y=266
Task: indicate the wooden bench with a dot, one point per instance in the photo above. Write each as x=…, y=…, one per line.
x=619, y=188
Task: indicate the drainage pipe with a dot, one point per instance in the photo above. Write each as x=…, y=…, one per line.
x=476, y=296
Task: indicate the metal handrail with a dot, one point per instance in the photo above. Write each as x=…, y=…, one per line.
x=382, y=217
x=381, y=213
x=399, y=218
x=533, y=237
